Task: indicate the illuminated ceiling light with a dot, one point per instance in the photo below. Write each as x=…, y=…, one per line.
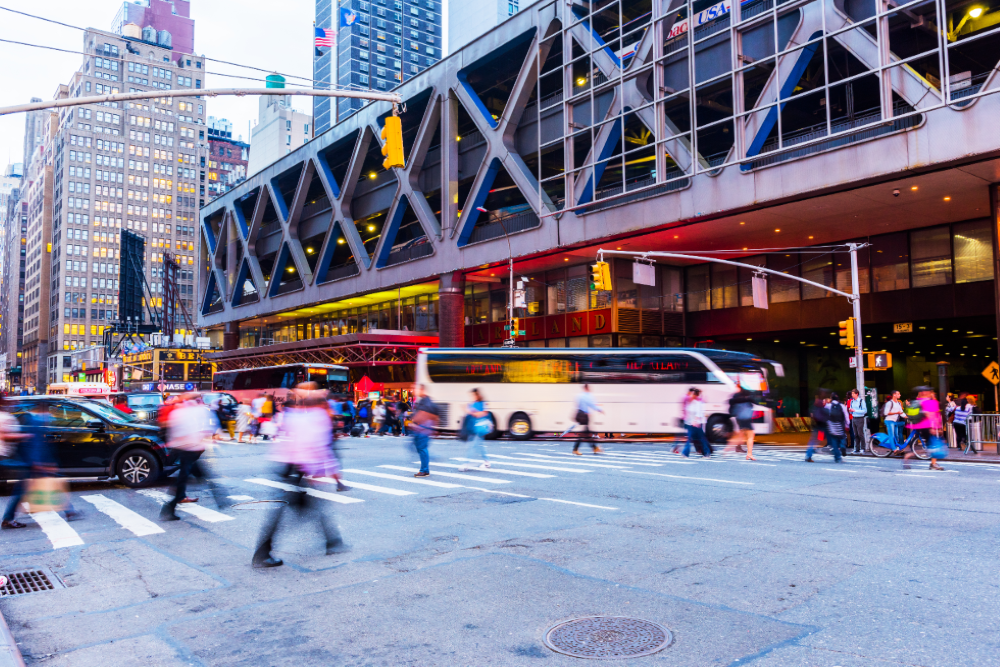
x=968, y=332
x=566, y=259
x=581, y=81
x=372, y=175
x=777, y=230
x=371, y=228
x=749, y=338
x=310, y=251
x=775, y=340
x=290, y=269
x=742, y=223
x=676, y=237
x=976, y=12
x=341, y=241
x=913, y=187
x=458, y=138
x=618, y=248
x=947, y=198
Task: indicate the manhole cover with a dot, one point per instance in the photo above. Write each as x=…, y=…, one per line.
x=608, y=637
x=29, y=581
x=258, y=504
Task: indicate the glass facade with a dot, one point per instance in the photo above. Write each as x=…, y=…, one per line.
x=960, y=253
x=637, y=93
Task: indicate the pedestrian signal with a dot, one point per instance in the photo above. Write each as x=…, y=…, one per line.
x=847, y=332
x=600, y=277
x=878, y=361
x=392, y=143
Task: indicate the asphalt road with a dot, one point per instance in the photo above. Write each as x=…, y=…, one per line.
x=773, y=563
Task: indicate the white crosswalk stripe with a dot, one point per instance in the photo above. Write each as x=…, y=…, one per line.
x=450, y=475
x=60, y=533
x=203, y=513
x=366, y=487
x=123, y=516
x=410, y=480
x=515, y=473
x=541, y=458
x=523, y=465
x=618, y=459
x=588, y=459
x=343, y=500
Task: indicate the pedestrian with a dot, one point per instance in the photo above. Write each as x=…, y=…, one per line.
x=961, y=421
x=425, y=417
x=687, y=432
x=480, y=427
x=350, y=414
x=819, y=415
x=305, y=452
x=190, y=423
x=34, y=458
x=836, y=427
x=893, y=414
x=924, y=417
x=378, y=417
x=741, y=409
x=694, y=420
x=859, y=411
x=244, y=418
x=585, y=407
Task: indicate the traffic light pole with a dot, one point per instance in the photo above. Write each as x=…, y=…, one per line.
x=859, y=370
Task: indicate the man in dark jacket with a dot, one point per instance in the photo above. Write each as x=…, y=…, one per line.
x=819, y=415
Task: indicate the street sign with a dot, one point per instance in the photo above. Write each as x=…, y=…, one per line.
x=853, y=362
x=759, y=285
x=644, y=274
x=992, y=373
x=902, y=327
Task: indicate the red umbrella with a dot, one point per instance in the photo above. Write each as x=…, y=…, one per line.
x=365, y=385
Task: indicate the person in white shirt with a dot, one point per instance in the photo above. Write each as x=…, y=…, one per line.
x=189, y=425
x=893, y=413
x=694, y=421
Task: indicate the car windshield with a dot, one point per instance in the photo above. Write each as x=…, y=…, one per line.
x=144, y=401
x=110, y=413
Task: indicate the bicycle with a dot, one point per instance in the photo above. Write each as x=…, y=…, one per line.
x=882, y=445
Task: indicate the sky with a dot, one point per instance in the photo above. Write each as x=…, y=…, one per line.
x=261, y=33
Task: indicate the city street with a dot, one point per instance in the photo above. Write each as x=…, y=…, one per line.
x=770, y=563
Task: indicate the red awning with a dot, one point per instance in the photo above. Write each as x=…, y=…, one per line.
x=365, y=385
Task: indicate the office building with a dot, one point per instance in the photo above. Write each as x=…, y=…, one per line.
x=140, y=166
x=388, y=42
x=280, y=129
x=471, y=19
x=227, y=157
x=170, y=19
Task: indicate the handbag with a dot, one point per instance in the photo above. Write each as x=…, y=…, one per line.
x=937, y=448
x=582, y=417
x=46, y=494
x=483, y=426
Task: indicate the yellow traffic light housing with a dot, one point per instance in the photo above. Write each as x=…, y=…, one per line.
x=392, y=143
x=515, y=326
x=847, y=332
x=600, y=277
x=878, y=361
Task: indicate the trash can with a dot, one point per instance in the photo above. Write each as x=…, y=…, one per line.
x=976, y=435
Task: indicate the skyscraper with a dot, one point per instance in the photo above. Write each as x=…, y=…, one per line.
x=469, y=19
x=386, y=42
x=133, y=165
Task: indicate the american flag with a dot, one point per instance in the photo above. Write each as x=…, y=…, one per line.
x=324, y=38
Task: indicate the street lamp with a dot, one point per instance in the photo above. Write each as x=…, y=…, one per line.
x=973, y=13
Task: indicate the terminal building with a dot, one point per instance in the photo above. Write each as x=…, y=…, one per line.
x=781, y=131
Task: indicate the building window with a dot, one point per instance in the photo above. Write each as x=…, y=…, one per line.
x=890, y=260
x=698, y=288
x=930, y=253
x=973, y=251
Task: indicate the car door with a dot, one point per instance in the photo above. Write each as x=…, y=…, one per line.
x=80, y=439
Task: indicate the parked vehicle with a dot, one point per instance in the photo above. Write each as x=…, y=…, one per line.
x=92, y=439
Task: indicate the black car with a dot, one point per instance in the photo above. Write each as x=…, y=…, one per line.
x=92, y=439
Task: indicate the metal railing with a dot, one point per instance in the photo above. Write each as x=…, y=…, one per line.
x=983, y=430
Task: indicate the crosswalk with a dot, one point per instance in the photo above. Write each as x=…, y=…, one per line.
x=543, y=466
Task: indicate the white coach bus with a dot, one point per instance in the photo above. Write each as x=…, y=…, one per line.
x=641, y=390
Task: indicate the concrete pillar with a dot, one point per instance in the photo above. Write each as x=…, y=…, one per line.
x=451, y=310
x=231, y=336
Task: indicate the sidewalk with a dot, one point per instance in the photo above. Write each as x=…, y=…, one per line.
x=10, y=654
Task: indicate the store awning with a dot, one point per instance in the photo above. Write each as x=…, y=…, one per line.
x=366, y=385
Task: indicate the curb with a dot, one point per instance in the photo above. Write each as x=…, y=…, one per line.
x=10, y=654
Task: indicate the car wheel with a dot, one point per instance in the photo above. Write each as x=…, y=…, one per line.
x=719, y=429
x=520, y=426
x=138, y=468
x=494, y=433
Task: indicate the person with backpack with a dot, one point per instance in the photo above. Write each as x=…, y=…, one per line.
x=741, y=409
x=923, y=415
x=859, y=412
x=836, y=427
x=892, y=413
x=961, y=419
x=820, y=415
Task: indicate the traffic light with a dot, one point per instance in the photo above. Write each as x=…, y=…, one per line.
x=878, y=361
x=515, y=327
x=600, y=277
x=847, y=332
x=392, y=143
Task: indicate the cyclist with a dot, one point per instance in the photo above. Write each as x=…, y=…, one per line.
x=925, y=419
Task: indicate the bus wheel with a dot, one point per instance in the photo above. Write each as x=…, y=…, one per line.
x=719, y=428
x=494, y=434
x=519, y=426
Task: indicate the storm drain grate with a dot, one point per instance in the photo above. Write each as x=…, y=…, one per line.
x=29, y=581
x=608, y=637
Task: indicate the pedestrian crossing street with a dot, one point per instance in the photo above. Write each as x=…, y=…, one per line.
x=538, y=463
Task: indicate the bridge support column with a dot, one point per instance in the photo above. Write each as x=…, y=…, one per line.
x=451, y=310
x=231, y=336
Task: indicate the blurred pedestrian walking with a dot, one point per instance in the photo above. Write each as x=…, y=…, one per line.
x=819, y=415
x=305, y=451
x=190, y=424
x=244, y=420
x=585, y=407
x=481, y=426
x=425, y=418
x=836, y=427
x=924, y=417
x=741, y=410
x=694, y=421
